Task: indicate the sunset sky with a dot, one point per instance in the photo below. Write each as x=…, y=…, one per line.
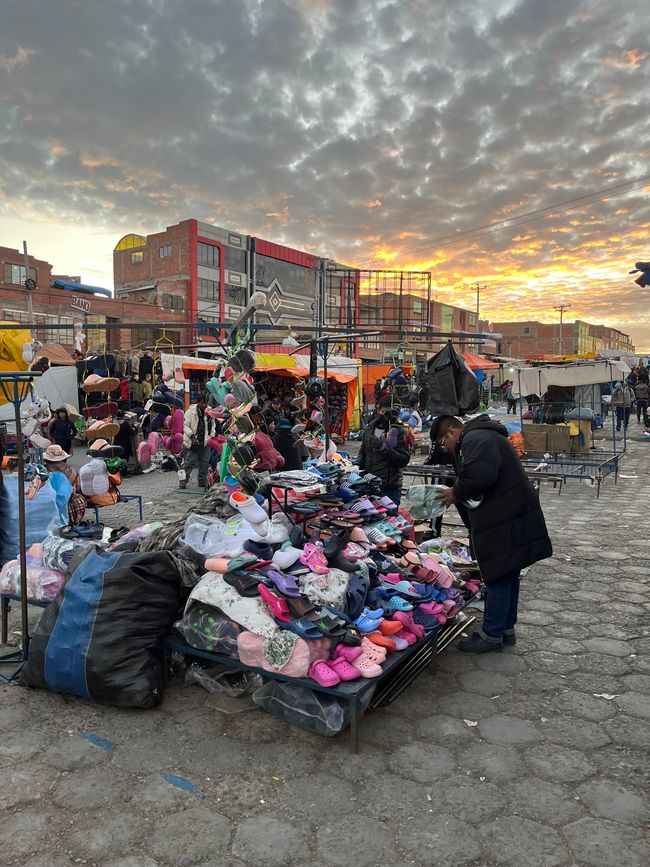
x=372, y=131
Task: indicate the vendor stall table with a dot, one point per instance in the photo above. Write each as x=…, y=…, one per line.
x=399, y=670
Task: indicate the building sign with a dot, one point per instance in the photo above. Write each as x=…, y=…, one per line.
x=80, y=304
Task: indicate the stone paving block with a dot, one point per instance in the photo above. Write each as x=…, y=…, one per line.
x=438, y=842
x=496, y=764
x=558, y=763
x=189, y=836
x=465, y=705
x=577, y=733
x=355, y=839
x=467, y=798
x=383, y=792
x=475, y=681
x=629, y=731
x=86, y=789
x=72, y=753
x=271, y=840
x=602, y=843
x=522, y=843
x=610, y=800
x=555, y=663
x=132, y=861
x=153, y=794
x=508, y=662
x=319, y=794
x=448, y=730
x=637, y=683
x=24, y=832
x=634, y=704
x=98, y=835
x=508, y=730
x=365, y=764
x=421, y=761
x=543, y=801
x=213, y=757
x=584, y=706
x=601, y=663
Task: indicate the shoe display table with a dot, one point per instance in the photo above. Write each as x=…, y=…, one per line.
x=399, y=670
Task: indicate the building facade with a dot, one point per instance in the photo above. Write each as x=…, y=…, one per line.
x=531, y=338
x=55, y=307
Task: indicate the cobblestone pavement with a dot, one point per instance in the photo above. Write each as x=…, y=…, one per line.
x=536, y=756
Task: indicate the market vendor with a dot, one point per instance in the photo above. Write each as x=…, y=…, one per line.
x=384, y=451
x=507, y=526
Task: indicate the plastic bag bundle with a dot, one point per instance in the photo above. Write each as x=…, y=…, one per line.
x=58, y=552
x=38, y=515
x=42, y=583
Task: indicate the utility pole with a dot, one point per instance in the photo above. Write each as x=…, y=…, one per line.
x=29, y=285
x=478, y=311
x=561, y=308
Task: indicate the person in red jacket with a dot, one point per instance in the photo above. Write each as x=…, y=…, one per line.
x=124, y=393
x=268, y=457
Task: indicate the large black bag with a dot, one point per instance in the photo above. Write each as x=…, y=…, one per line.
x=101, y=637
x=453, y=388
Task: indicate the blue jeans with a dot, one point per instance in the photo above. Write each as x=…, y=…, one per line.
x=622, y=416
x=501, y=600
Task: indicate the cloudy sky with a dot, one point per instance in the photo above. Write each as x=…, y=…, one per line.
x=373, y=131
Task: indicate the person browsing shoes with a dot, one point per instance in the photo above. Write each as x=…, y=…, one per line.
x=508, y=530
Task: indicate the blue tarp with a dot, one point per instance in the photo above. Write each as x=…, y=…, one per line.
x=82, y=288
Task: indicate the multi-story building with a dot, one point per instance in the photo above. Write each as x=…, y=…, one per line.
x=55, y=306
x=531, y=338
x=208, y=273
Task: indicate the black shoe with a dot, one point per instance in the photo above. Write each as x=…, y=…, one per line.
x=510, y=639
x=477, y=644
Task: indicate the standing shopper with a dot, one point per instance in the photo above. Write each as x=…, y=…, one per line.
x=384, y=451
x=622, y=398
x=642, y=396
x=198, y=428
x=508, y=530
x=61, y=430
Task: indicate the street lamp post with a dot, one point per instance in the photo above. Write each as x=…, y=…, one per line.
x=561, y=308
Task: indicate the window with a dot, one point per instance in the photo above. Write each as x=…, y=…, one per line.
x=172, y=302
x=526, y=331
x=209, y=255
x=417, y=307
x=165, y=251
x=15, y=274
x=236, y=260
x=137, y=257
x=292, y=278
x=471, y=319
x=208, y=290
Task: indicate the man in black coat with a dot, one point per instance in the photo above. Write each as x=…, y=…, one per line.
x=508, y=530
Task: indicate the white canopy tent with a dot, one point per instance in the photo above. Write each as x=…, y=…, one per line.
x=536, y=380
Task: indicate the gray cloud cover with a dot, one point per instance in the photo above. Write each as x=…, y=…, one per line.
x=346, y=127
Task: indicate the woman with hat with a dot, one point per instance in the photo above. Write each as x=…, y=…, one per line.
x=54, y=458
x=61, y=430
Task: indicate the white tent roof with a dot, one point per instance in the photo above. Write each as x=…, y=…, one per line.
x=536, y=380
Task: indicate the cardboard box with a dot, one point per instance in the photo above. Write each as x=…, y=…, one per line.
x=535, y=440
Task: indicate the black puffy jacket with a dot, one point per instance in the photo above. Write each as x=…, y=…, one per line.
x=508, y=528
x=384, y=453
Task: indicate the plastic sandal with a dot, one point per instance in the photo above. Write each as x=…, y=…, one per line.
x=377, y=653
x=367, y=666
x=344, y=669
x=374, y=613
x=398, y=603
x=285, y=584
x=348, y=653
x=321, y=672
x=313, y=557
x=406, y=619
x=366, y=624
x=279, y=607
x=390, y=627
x=302, y=627
x=407, y=637
x=383, y=641
x=244, y=583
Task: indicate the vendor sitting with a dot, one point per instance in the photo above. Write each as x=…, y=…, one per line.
x=268, y=457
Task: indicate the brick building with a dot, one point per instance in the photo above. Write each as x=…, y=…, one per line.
x=56, y=306
x=532, y=338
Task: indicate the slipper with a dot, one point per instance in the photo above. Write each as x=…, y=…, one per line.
x=329, y=625
x=279, y=607
x=244, y=561
x=300, y=606
x=374, y=613
x=95, y=383
x=349, y=654
x=313, y=557
x=368, y=667
x=261, y=550
x=406, y=619
x=285, y=557
x=248, y=507
x=390, y=627
x=344, y=669
x=320, y=671
x=285, y=584
x=366, y=624
x=377, y=653
x=383, y=641
x=397, y=603
x=352, y=637
x=303, y=627
x=243, y=582
x=356, y=594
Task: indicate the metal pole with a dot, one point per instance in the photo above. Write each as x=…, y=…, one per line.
x=22, y=535
x=326, y=405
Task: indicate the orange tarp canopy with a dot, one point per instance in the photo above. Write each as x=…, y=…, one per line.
x=478, y=362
